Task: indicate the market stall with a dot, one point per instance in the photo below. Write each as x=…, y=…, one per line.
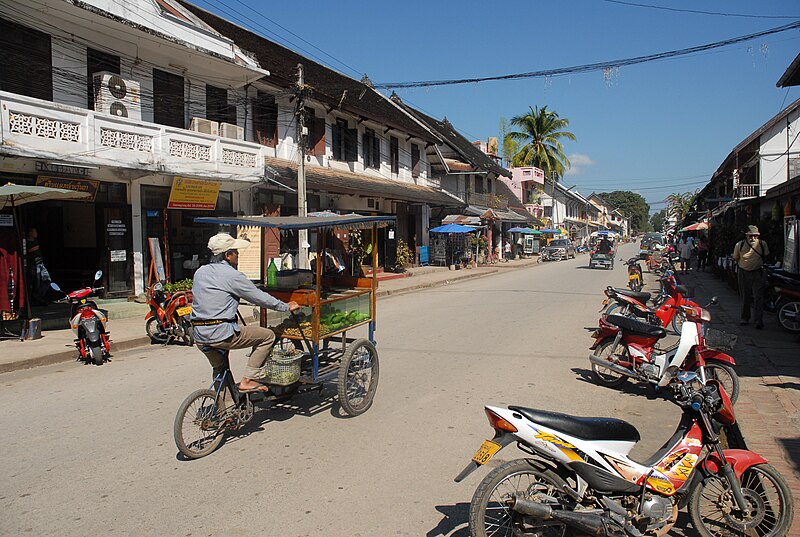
x=452, y=244
x=530, y=239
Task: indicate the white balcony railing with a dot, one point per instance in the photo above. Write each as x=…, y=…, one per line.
x=746, y=191
x=42, y=129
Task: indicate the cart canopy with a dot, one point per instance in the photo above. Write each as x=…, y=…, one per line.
x=348, y=221
x=525, y=231
x=452, y=228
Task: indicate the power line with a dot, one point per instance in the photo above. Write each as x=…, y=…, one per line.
x=698, y=12
x=586, y=68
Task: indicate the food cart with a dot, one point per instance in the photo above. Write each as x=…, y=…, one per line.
x=334, y=306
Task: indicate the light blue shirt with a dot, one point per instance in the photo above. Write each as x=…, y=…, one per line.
x=216, y=290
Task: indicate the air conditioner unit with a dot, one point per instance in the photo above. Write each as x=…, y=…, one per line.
x=228, y=130
x=206, y=126
x=116, y=96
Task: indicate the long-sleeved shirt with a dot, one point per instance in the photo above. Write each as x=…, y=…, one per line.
x=216, y=290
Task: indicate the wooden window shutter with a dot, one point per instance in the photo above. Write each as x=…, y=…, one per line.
x=265, y=120
x=414, y=160
x=351, y=145
x=394, y=154
x=376, y=152
x=316, y=140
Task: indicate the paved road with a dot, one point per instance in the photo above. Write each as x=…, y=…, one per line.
x=89, y=450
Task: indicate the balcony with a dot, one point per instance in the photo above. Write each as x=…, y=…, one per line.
x=487, y=200
x=41, y=129
x=747, y=191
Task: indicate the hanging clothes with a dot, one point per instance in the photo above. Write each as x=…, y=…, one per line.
x=12, y=283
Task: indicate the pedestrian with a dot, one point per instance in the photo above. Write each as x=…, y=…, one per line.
x=749, y=255
x=37, y=272
x=507, y=249
x=685, y=248
x=702, y=253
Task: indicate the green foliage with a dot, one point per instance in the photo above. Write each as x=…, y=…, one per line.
x=722, y=239
x=404, y=255
x=183, y=285
x=632, y=205
x=657, y=220
x=540, y=133
x=680, y=205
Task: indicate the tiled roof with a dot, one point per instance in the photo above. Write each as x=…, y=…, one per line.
x=327, y=86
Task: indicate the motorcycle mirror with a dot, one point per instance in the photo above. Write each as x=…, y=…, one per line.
x=714, y=300
x=98, y=275
x=54, y=285
x=158, y=287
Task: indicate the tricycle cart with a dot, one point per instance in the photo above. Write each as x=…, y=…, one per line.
x=314, y=346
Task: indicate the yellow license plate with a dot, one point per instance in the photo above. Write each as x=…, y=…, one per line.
x=186, y=310
x=486, y=452
x=633, y=277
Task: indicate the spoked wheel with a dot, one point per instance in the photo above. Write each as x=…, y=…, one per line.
x=156, y=335
x=678, y=320
x=199, y=425
x=490, y=516
x=726, y=376
x=607, y=377
x=714, y=511
x=789, y=317
x=358, y=377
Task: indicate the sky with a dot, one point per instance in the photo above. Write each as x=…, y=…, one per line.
x=653, y=128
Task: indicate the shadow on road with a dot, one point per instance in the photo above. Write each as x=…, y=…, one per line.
x=635, y=389
x=454, y=523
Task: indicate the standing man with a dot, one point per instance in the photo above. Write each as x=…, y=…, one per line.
x=749, y=255
x=37, y=272
x=685, y=248
x=216, y=290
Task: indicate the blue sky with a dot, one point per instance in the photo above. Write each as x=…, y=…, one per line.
x=653, y=128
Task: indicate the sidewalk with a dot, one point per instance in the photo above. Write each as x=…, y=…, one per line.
x=768, y=364
x=126, y=323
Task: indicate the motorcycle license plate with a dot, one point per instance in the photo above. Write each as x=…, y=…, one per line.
x=633, y=277
x=186, y=310
x=486, y=451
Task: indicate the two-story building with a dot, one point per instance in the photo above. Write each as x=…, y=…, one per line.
x=610, y=217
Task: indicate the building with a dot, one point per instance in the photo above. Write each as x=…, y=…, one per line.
x=610, y=217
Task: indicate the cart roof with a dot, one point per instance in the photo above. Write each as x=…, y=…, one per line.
x=350, y=221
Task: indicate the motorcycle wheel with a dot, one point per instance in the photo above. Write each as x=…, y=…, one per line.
x=188, y=331
x=488, y=513
x=789, y=316
x=713, y=511
x=604, y=376
x=199, y=425
x=155, y=333
x=726, y=376
x=678, y=320
x=97, y=354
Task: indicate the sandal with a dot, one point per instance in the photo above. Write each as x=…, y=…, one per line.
x=260, y=388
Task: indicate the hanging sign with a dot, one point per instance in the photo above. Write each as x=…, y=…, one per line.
x=196, y=194
x=7, y=220
x=250, y=258
x=119, y=255
x=88, y=186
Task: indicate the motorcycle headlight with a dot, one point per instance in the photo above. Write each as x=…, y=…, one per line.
x=705, y=316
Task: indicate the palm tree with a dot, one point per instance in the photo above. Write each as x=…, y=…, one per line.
x=540, y=132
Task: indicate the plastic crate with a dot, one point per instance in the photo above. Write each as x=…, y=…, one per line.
x=719, y=340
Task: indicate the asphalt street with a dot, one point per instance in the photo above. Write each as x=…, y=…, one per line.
x=89, y=450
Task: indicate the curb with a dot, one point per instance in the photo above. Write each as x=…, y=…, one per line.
x=398, y=292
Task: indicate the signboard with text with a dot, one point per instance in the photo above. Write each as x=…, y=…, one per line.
x=89, y=186
x=196, y=194
x=250, y=258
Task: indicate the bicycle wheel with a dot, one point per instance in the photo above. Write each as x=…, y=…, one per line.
x=789, y=316
x=607, y=377
x=713, y=510
x=199, y=425
x=358, y=377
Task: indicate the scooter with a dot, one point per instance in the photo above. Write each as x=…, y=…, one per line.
x=783, y=298
x=628, y=348
x=168, y=319
x=88, y=323
x=635, y=280
x=578, y=475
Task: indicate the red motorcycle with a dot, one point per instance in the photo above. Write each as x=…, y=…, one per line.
x=88, y=322
x=168, y=318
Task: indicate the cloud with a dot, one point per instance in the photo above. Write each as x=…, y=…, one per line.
x=578, y=161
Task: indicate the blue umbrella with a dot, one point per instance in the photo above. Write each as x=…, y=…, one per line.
x=452, y=228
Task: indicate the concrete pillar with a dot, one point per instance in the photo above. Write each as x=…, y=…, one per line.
x=139, y=273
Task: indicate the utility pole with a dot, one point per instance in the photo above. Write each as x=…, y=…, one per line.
x=302, y=134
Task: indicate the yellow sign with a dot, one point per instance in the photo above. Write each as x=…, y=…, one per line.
x=88, y=186
x=196, y=194
x=250, y=258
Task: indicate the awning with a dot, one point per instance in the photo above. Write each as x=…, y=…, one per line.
x=349, y=221
x=696, y=227
x=525, y=231
x=503, y=215
x=462, y=219
x=452, y=228
x=343, y=182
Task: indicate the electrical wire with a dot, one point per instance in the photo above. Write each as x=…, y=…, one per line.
x=698, y=12
x=585, y=68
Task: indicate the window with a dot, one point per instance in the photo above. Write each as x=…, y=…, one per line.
x=371, y=145
x=168, y=99
x=316, y=133
x=394, y=154
x=217, y=107
x=414, y=160
x=478, y=184
x=97, y=61
x=345, y=142
x=489, y=186
x=26, y=62
x=265, y=119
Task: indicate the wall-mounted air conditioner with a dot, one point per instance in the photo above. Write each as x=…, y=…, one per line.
x=116, y=95
x=228, y=130
x=206, y=126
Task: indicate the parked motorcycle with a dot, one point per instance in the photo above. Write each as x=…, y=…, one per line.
x=168, y=318
x=635, y=279
x=88, y=323
x=579, y=475
x=628, y=348
x=783, y=298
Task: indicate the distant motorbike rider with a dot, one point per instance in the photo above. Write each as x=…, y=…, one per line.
x=216, y=289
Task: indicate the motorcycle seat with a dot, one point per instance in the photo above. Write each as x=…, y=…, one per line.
x=685, y=291
x=637, y=327
x=584, y=428
x=641, y=296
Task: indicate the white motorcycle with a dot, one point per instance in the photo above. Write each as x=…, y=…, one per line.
x=578, y=475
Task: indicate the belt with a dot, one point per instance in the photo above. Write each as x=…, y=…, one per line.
x=211, y=322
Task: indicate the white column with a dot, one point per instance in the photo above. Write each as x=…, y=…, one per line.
x=138, y=241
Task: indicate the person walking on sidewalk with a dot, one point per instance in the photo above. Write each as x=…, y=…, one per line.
x=749, y=255
x=685, y=248
x=702, y=253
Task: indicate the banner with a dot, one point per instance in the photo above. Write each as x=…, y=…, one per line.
x=250, y=258
x=89, y=186
x=196, y=194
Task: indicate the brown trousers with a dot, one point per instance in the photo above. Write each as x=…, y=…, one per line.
x=261, y=340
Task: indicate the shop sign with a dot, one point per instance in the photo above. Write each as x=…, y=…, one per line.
x=196, y=194
x=119, y=255
x=116, y=228
x=250, y=258
x=6, y=220
x=89, y=186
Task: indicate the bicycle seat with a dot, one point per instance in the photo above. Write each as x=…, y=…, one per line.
x=209, y=348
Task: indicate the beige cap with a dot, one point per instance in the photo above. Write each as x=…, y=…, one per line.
x=222, y=242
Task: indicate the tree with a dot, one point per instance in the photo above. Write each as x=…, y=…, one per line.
x=657, y=220
x=510, y=147
x=632, y=205
x=679, y=205
x=540, y=132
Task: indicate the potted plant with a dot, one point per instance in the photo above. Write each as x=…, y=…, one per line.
x=403, y=256
x=357, y=250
